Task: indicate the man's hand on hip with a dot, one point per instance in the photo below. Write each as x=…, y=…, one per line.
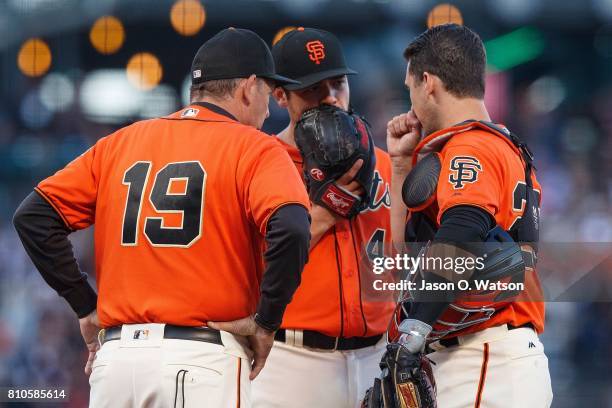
x=260, y=340
x=90, y=327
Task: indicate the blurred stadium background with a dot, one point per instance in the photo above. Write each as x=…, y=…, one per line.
x=75, y=70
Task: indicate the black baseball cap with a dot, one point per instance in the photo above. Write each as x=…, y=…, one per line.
x=234, y=53
x=309, y=55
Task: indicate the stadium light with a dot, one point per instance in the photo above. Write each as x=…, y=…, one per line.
x=187, y=17
x=443, y=14
x=107, y=35
x=107, y=97
x=144, y=71
x=34, y=58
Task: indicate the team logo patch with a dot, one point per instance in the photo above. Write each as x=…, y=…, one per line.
x=316, y=51
x=464, y=169
x=317, y=174
x=141, y=334
x=189, y=113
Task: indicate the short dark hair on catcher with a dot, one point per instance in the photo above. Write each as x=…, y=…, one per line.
x=453, y=53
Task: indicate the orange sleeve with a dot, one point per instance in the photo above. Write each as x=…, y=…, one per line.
x=470, y=175
x=73, y=190
x=270, y=180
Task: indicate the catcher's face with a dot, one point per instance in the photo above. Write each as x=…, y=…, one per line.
x=332, y=91
x=422, y=99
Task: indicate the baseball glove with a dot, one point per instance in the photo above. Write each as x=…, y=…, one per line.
x=407, y=381
x=330, y=141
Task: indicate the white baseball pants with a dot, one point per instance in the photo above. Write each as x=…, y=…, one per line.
x=296, y=377
x=155, y=372
x=495, y=368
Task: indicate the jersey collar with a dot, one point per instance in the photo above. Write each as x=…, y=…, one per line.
x=210, y=113
x=215, y=108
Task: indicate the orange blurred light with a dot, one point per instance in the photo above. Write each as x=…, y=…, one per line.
x=107, y=35
x=280, y=33
x=444, y=14
x=144, y=71
x=34, y=58
x=187, y=17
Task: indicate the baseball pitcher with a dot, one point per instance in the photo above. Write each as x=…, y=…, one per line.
x=330, y=343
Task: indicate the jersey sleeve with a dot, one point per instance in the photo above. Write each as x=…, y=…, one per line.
x=470, y=175
x=73, y=190
x=270, y=180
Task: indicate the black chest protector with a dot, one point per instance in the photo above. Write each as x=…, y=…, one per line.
x=420, y=186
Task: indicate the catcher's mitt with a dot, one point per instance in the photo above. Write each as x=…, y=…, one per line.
x=406, y=382
x=330, y=141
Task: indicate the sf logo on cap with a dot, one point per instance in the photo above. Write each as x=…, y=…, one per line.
x=464, y=169
x=316, y=51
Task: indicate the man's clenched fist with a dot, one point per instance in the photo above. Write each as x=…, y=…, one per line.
x=403, y=134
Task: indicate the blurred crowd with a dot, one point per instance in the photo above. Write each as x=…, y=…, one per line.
x=564, y=115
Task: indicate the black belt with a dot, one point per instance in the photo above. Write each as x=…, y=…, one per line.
x=204, y=334
x=454, y=341
x=316, y=340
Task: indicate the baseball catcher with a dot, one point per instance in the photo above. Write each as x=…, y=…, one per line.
x=330, y=141
x=463, y=186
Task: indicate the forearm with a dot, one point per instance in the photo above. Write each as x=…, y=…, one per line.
x=460, y=226
x=322, y=221
x=45, y=239
x=287, y=239
x=400, y=169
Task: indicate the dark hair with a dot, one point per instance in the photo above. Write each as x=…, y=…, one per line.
x=453, y=53
x=219, y=89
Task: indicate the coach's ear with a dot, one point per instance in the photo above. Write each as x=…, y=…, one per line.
x=248, y=89
x=280, y=95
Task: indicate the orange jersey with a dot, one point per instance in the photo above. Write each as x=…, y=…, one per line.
x=331, y=299
x=180, y=206
x=481, y=169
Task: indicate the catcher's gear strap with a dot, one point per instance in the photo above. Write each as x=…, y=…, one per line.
x=526, y=229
